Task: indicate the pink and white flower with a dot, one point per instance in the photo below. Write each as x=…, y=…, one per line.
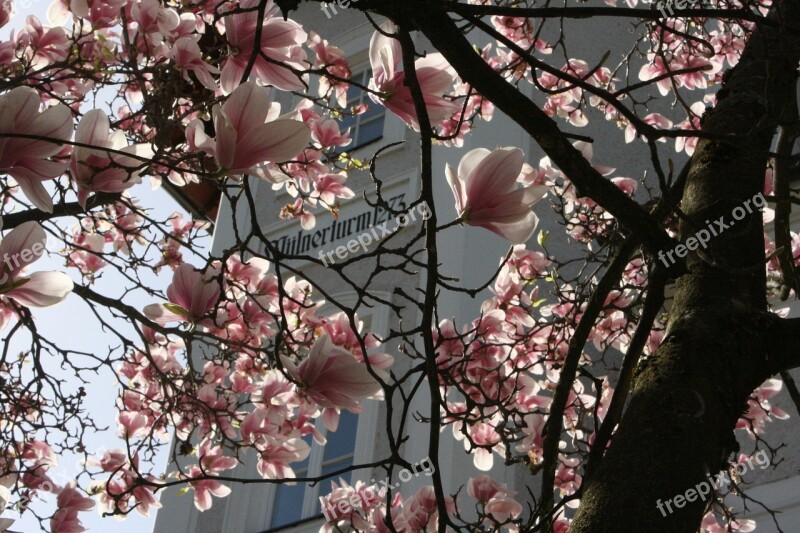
x=486, y=193
x=249, y=133
x=99, y=169
x=332, y=377
x=191, y=295
x=434, y=74
x=280, y=42
x=26, y=160
x=22, y=246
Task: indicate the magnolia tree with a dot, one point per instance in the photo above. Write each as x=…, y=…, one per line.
x=234, y=358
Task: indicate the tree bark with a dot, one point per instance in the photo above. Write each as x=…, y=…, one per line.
x=720, y=343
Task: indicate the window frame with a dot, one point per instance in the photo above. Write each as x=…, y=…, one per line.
x=361, y=74
x=312, y=492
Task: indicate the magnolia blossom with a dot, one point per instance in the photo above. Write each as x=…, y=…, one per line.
x=332, y=377
x=205, y=488
x=486, y=193
x=188, y=57
x=99, y=170
x=6, y=11
x=6, y=482
x=21, y=247
x=249, y=133
x=155, y=22
x=191, y=295
x=332, y=59
x=326, y=134
x=70, y=502
x=434, y=74
x=280, y=42
x=28, y=160
x=657, y=120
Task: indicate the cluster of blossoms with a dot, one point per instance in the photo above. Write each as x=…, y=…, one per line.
x=493, y=501
x=333, y=372
x=233, y=355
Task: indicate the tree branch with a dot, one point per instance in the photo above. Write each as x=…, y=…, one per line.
x=445, y=36
x=554, y=424
x=13, y=220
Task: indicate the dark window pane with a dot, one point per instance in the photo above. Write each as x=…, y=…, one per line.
x=373, y=110
x=343, y=442
x=353, y=94
x=370, y=132
x=348, y=122
x=368, y=126
x=339, y=465
x=288, y=505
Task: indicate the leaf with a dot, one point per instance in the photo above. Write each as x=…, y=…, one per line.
x=543, y=237
x=177, y=309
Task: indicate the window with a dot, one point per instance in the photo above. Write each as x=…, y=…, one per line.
x=366, y=127
x=293, y=503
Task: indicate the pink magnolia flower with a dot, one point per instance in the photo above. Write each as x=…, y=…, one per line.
x=132, y=425
x=86, y=256
x=248, y=133
x=205, y=488
x=213, y=458
x=297, y=210
x=483, y=488
x=435, y=76
x=654, y=68
x=276, y=452
x=6, y=482
x=43, y=46
x=70, y=502
x=6, y=11
x=188, y=57
x=98, y=170
x=656, y=120
x=328, y=187
x=486, y=193
x=28, y=160
x=627, y=185
x=154, y=21
x=326, y=134
x=332, y=377
x=422, y=510
x=21, y=247
x=280, y=40
x=334, y=61
x=191, y=294
x=101, y=13
x=710, y=525
x=503, y=509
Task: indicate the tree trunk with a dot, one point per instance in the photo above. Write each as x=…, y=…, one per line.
x=720, y=343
